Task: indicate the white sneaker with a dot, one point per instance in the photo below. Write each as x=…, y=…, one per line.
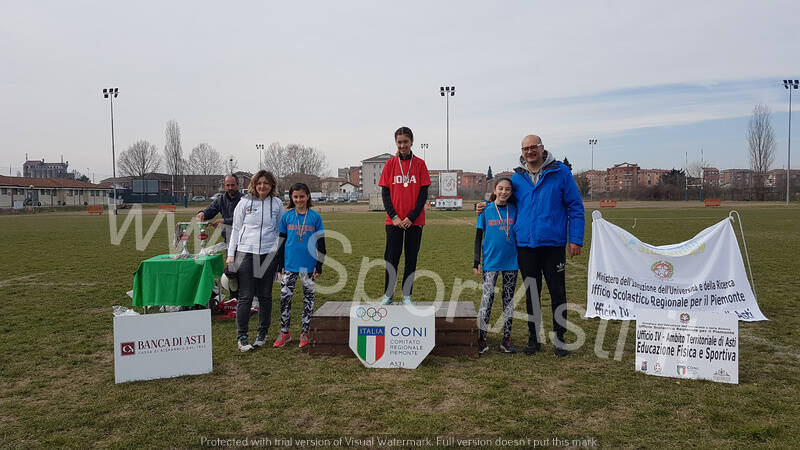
x=243, y=345
x=260, y=341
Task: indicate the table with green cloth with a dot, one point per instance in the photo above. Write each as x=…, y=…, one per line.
x=162, y=280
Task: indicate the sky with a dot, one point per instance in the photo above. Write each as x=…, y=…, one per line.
x=656, y=83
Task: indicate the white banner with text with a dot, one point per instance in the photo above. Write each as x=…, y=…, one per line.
x=705, y=273
x=696, y=345
x=162, y=345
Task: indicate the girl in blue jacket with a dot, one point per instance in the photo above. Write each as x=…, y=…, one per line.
x=496, y=243
x=300, y=257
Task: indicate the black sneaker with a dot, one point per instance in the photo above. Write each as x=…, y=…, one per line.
x=482, y=346
x=507, y=346
x=532, y=348
x=560, y=352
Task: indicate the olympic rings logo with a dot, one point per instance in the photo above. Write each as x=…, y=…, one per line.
x=371, y=313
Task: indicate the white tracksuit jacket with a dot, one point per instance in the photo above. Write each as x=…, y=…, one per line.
x=255, y=225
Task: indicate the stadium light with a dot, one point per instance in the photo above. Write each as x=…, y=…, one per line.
x=789, y=85
x=111, y=94
x=592, y=142
x=260, y=148
x=447, y=92
x=424, y=148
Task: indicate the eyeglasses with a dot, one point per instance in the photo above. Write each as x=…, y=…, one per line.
x=532, y=147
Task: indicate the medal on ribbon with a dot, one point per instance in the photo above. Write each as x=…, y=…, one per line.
x=301, y=229
x=402, y=174
x=507, y=224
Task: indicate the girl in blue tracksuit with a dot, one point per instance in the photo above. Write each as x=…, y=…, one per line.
x=301, y=256
x=496, y=243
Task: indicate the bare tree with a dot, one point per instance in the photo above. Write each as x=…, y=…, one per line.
x=760, y=143
x=276, y=160
x=583, y=182
x=139, y=159
x=294, y=158
x=694, y=169
x=205, y=160
x=308, y=160
x=173, y=152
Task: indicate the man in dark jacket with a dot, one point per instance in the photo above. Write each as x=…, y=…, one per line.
x=549, y=218
x=224, y=205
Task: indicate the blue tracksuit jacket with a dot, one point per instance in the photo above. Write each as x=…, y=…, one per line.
x=550, y=213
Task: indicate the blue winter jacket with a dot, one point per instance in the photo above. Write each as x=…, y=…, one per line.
x=550, y=212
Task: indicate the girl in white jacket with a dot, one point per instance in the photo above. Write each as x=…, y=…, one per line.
x=253, y=250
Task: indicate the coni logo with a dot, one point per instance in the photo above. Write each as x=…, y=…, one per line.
x=127, y=348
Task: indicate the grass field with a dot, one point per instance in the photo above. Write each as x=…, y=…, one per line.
x=60, y=276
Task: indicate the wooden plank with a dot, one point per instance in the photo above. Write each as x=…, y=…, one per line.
x=455, y=350
x=328, y=349
x=330, y=323
x=446, y=338
x=456, y=310
x=457, y=324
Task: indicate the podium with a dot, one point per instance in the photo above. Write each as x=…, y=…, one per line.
x=456, y=329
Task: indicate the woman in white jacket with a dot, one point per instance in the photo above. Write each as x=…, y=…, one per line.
x=253, y=250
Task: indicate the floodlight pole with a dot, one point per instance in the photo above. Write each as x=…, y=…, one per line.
x=444, y=91
x=592, y=142
x=424, y=148
x=702, y=176
x=260, y=148
x=185, y=198
x=110, y=93
x=686, y=176
x=789, y=85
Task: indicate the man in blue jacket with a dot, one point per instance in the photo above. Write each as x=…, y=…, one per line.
x=549, y=218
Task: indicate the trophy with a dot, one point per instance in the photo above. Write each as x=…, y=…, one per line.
x=183, y=232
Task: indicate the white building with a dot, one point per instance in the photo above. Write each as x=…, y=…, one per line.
x=371, y=169
x=348, y=188
x=51, y=192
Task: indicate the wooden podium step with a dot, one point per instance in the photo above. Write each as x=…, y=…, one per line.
x=456, y=329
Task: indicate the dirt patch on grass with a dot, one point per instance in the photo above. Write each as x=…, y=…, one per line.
x=25, y=279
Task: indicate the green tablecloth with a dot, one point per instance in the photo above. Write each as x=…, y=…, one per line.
x=161, y=280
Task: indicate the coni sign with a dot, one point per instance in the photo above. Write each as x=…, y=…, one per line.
x=393, y=336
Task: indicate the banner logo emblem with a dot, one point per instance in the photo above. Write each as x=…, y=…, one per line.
x=371, y=314
x=127, y=348
x=662, y=269
x=681, y=370
x=371, y=343
x=721, y=375
x=684, y=317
